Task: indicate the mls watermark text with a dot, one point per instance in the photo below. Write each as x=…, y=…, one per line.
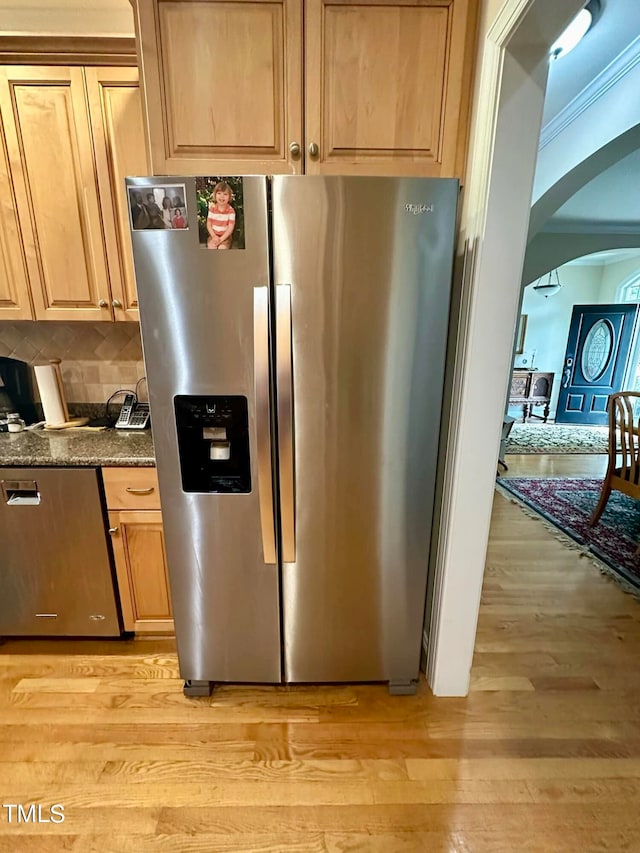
x=33, y=813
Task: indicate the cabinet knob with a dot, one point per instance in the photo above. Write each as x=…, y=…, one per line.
x=294, y=149
x=116, y=303
x=103, y=303
x=113, y=531
x=313, y=149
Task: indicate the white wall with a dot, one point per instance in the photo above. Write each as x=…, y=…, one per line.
x=548, y=321
x=596, y=138
x=614, y=274
x=66, y=17
x=551, y=250
x=507, y=115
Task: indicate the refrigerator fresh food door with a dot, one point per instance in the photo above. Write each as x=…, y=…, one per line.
x=205, y=318
x=362, y=268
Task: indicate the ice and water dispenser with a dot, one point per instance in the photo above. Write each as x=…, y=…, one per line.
x=213, y=443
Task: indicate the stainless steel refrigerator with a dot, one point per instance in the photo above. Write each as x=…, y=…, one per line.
x=296, y=385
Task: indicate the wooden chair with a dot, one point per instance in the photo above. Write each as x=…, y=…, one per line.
x=624, y=435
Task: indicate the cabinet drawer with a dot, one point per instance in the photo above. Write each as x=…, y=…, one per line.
x=131, y=488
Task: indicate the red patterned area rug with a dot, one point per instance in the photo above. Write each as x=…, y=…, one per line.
x=568, y=504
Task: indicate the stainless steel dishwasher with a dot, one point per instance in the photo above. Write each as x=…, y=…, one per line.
x=55, y=569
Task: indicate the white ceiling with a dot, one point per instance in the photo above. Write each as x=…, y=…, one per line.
x=610, y=203
x=617, y=26
x=67, y=17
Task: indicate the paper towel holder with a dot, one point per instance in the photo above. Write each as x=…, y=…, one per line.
x=49, y=381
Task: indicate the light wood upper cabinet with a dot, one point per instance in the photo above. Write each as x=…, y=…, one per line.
x=116, y=120
x=385, y=86
x=70, y=137
x=49, y=144
x=222, y=84
x=15, y=302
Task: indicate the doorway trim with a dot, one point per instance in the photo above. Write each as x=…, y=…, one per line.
x=508, y=102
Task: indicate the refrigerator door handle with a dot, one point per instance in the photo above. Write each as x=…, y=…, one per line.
x=284, y=370
x=263, y=420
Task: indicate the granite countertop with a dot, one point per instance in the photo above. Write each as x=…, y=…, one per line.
x=77, y=447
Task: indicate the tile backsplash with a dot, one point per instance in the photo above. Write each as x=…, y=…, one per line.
x=97, y=358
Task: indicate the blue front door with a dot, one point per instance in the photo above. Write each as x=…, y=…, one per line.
x=595, y=363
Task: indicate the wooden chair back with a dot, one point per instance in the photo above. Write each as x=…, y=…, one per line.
x=624, y=409
x=623, y=470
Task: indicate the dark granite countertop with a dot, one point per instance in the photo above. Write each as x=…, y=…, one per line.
x=76, y=447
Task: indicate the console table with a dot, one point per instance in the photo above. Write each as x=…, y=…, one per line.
x=531, y=388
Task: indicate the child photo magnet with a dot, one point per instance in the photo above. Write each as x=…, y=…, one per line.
x=220, y=202
x=158, y=208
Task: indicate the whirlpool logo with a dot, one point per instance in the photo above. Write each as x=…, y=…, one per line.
x=418, y=208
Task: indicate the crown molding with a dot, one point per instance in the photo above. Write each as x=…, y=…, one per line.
x=589, y=226
x=599, y=86
x=508, y=20
x=67, y=50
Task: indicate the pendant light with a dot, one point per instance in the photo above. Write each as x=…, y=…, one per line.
x=548, y=285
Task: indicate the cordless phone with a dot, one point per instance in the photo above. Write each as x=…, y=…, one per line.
x=133, y=415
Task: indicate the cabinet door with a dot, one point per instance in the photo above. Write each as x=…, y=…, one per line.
x=15, y=303
x=118, y=133
x=387, y=86
x=141, y=567
x=51, y=156
x=222, y=85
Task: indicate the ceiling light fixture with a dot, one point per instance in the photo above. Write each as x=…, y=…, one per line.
x=548, y=285
x=576, y=31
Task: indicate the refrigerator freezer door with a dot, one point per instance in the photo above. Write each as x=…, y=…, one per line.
x=200, y=341
x=369, y=266
x=286, y=475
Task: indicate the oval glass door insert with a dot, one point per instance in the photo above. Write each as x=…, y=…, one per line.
x=597, y=350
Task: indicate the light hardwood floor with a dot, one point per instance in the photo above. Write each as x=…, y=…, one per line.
x=544, y=754
x=554, y=465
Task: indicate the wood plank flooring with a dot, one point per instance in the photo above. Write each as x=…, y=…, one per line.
x=543, y=755
x=555, y=465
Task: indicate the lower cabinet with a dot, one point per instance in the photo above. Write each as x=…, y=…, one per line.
x=135, y=525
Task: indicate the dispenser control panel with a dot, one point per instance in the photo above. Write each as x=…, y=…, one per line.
x=213, y=443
